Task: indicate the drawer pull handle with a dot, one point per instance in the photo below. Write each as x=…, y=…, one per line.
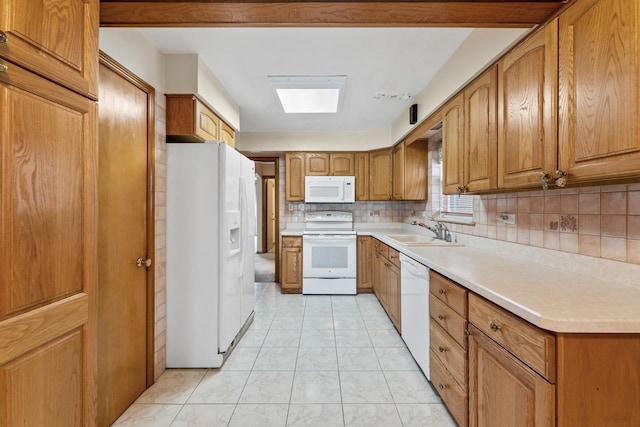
x=441, y=291
x=3, y=37
x=440, y=316
x=3, y=68
x=467, y=333
x=441, y=349
x=442, y=386
x=494, y=327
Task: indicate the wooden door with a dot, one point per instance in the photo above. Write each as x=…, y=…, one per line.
x=380, y=175
x=58, y=38
x=398, y=171
x=316, y=164
x=453, y=146
x=48, y=252
x=599, y=90
x=527, y=121
x=124, y=231
x=481, y=142
x=503, y=391
x=342, y=164
x=294, y=177
x=365, y=258
x=270, y=214
x=362, y=176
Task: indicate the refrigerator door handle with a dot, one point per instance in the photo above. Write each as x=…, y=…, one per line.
x=243, y=218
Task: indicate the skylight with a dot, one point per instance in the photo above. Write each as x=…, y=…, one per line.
x=309, y=94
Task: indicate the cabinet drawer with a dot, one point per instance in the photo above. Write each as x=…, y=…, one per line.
x=452, y=356
x=291, y=242
x=534, y=346
x=453, y=396
x=394, y=256
x=381, y=248
x=452, y=294
x=449, y=320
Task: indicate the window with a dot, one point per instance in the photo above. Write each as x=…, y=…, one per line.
x=457, y=207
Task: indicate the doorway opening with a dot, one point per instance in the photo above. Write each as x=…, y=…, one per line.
x=267, y=220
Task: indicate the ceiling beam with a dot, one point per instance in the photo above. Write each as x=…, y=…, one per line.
x=513, y=13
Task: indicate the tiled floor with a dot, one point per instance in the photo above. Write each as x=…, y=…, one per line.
x=305, y=361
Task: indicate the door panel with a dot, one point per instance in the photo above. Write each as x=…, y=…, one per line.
x=48, y=275
x=122, y=310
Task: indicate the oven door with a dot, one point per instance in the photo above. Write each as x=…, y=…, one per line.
x=329, y=256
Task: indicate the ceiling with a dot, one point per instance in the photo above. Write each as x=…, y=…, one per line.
x=388, y=60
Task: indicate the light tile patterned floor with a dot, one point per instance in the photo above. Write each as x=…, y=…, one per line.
x=305, y=361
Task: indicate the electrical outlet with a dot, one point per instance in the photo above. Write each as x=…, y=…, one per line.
x=506, y=218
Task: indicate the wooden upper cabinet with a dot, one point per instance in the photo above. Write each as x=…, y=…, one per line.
x=362, y=175
x=480, y=141
x=453, y=145
x=190, y=120
x=527, y=91
x=342, y=164
x=58, y=40
x=380, y=174
x=398, y=171
x=317, y=164
x=227, y=134
x=599, y=92
x=294, y=176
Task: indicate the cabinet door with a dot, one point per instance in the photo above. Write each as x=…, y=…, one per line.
x=48, y=269
x=294, y=177
x=398, y=171
x=503, y=391
x=380, y=175
x=380, y=278
x=416, y=170
x=56, y=39
x=342, y=164
x=206, y=124
x=527, y=130
x=364, y=264
x=599, y=90
x=393, y=295
x=452, y=146
x=291, y=280
x=317, y=164
x=481, y=144
x=362, y=176
x=227, y=134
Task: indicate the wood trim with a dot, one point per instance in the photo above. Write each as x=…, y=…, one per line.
x=276, y=161
x=512, y=13
x=116, y=67
x=27, y=331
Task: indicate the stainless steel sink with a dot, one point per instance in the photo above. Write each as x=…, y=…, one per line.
x=419, y=240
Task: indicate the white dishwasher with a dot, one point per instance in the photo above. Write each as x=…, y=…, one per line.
x=414, y=292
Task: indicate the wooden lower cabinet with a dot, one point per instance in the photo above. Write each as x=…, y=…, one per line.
x=365, y=270
x=291, y=277
x=503, y=391
x=386, y=280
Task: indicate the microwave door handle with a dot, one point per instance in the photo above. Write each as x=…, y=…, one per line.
x=341, y=191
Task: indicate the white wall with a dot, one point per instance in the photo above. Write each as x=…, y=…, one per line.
x=313, y=141
x=140, y=56
x=480, y=48
x=210, y=88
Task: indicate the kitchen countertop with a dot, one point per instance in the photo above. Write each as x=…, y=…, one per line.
x=552, y=298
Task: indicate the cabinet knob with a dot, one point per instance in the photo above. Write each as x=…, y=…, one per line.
x=545, y=177
x=441, y=349
x=3, y=68
x=3, y=37
x=442, y=386
x=441, y=291
x=440, y=316
x=467, y=333
x=494, y=327
x=561, y=178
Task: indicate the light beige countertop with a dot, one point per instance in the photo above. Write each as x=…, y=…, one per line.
x=552, y=290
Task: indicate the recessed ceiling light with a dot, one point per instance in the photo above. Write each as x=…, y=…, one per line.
x=309, y=94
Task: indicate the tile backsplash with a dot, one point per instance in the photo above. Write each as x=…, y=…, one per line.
x=598, y=221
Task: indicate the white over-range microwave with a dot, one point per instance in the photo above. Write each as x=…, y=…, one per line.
x=329, y=189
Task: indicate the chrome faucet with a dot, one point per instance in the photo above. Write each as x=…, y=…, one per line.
x=440, y=230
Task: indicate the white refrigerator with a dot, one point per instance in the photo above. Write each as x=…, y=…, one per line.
x=210, y=245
